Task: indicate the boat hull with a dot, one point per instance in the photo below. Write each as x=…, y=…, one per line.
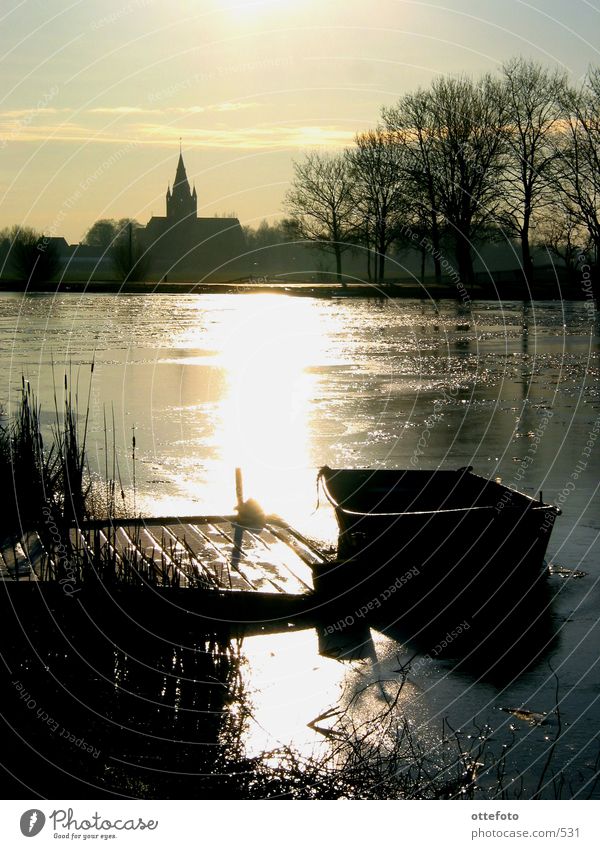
x=454, y=560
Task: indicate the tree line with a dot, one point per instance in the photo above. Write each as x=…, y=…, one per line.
x=30, y=256
x=449, y=165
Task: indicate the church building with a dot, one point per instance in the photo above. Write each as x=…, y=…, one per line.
x=181, y=202
x=180, y=243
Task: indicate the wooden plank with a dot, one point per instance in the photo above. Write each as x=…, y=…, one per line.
x=130, y=551
x=242, y=562
x=267, y=552
x=287, y=553
x=4, y=573
x=89, y=543
x=38, y=556
x=192, y=551
x=269, y=555
x=15, y=558
x=281, y=577
x=203, y=572
x=116, y=557
x=195, y=567
x=303, y=547
x=82, y=544
x=212, y=556
x=151, y=541
x=261, y=561
x=79, y=543
x=204, y=550
x=212, y=534
x=153, y=521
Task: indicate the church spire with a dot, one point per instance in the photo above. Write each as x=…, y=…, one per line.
x=182, y=202
x=181, y=176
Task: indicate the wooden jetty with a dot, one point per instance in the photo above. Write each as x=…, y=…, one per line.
x=208, y=565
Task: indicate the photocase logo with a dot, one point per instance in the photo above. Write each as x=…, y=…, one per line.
x=32, y=822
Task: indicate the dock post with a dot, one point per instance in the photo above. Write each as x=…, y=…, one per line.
x=239, y=487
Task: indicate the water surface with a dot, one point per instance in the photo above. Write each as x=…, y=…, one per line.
x=280, y=386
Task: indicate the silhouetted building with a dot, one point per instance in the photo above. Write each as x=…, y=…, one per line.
x=181, y=202
x=180, y=242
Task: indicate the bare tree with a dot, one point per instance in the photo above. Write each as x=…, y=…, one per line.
x=266, y=235
x=321, y=203
x=562, y=235
x=411, y=124
x=533, y=96
x=454, y=137
x=469, y=128
x=578, y=166
x=30, y=256
x=379, y=192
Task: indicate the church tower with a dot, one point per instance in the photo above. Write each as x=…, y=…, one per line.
x=182, y=244
x=182, y=202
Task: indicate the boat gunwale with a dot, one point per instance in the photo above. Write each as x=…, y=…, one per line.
x=512, y=507
x=533, y=503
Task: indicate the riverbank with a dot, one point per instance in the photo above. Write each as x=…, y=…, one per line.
x=505, y=290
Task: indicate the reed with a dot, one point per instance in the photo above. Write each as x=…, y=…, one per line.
x=97, y=555
x=32, y=473
x=70, y=445
x=54, y=479
x=381, y=757
x=53, y=492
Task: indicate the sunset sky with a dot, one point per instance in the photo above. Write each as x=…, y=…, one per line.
x=96, y=93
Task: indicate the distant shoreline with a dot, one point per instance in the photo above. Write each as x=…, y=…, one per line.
x=429, y=291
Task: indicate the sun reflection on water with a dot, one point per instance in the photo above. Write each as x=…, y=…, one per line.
x=298, y=695
x=265, y=346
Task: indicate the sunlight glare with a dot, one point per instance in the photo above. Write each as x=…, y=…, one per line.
x=246, y=388
x=270, y=344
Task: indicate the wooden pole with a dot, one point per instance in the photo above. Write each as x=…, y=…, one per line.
x=239, y=487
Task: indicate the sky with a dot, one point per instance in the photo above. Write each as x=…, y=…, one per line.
x=96, y=94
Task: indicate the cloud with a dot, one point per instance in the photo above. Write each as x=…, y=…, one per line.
x=261, y=137
x=225, y=106
x=15, y=114
x=120, y=110
x=252, y=138
x=233, y=107
x=43, y=132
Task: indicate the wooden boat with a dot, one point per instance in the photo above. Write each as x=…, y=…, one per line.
x=434, y=536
